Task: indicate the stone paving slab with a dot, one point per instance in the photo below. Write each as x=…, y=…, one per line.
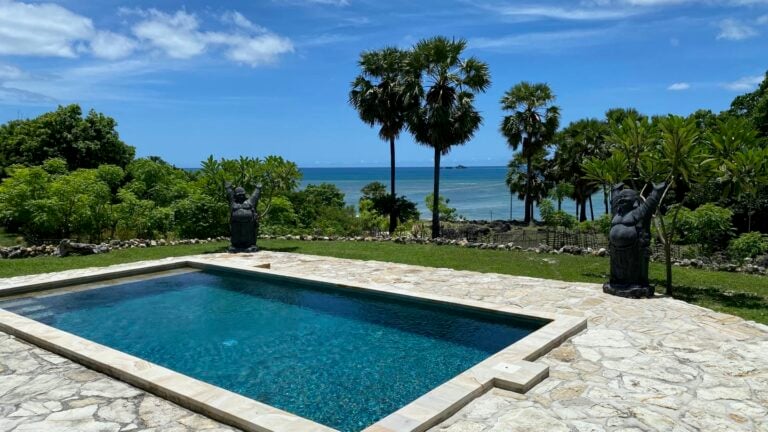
x=642, y=365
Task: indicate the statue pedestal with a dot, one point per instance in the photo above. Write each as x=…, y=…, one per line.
x=629, y=291
x=233, y=249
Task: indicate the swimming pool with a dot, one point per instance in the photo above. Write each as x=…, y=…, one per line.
x=340, y=356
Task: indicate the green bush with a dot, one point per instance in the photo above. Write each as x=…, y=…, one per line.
x=709, y=226
x=602, y=224
x=552, y=217
x=747, y=245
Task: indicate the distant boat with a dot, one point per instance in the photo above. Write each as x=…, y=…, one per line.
x=456, y=167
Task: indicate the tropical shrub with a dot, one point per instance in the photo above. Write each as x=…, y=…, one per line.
x=748, y=245
x=556, y=218
x=709, y=226
x=447, y=213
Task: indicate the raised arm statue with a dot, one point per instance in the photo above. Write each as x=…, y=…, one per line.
x=243, y=218
x=630, y=240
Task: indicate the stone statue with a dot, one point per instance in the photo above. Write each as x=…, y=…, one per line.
x=243, y=219
x=630, y=240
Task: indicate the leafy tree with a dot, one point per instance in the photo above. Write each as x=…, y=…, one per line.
x=23, y=187
x=314, y=200
x=579, y=141
x=754, y=107
x=617, y=116
x=560, y=192
x=373, y=190
x=76, y=203
x=199, y=216
x=532, y=124
x=375, y=199
x=635, y=139
x=677, y=160
x=83, y=142
x=384, y=94
x=518, y=181
x=446, y=116
x=447, y=213
x=275, y=175
x=606, y=172
x=157, y=181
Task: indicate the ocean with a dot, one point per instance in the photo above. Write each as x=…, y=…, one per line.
x=475, y=192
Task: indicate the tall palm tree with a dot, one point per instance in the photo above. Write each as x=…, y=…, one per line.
x=580, y=140
x=533, y=123
x=383, y=94
x=446, y=116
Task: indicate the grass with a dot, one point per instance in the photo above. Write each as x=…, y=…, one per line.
x=735, y=293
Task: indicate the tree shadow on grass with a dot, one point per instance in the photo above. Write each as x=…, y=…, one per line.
x=739, y=300
x=282, y=249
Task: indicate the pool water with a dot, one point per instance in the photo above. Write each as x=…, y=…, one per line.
x=337, y=357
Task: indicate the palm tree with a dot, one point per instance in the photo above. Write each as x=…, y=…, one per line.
x=446, y=116
x=383, y=94
x=533, y=124
x=580, y=140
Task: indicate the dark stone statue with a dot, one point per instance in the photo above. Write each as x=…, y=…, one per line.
x=630, y=240
x=243, y=219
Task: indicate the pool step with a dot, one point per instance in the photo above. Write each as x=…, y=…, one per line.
x=26, y=310
x=12, y=304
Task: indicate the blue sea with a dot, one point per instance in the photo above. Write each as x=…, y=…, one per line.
x=476, y=192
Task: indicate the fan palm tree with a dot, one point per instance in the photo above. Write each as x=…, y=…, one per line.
x=383, y=94
x=580, y=140
x=533, y=123
x=446, y=116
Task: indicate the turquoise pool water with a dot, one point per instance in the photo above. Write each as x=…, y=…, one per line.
x=340, y=358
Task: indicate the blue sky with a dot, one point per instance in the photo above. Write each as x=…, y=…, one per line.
x=189, y=79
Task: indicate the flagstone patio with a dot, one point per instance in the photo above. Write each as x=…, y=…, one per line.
x=642, y=365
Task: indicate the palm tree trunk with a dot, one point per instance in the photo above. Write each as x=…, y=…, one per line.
x=591, y=209
x=528, y=189
x=436, y=196
x=605, y=198
x=393, y=209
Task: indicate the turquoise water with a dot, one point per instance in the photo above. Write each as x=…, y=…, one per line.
x=476, y=192
x=339, y=358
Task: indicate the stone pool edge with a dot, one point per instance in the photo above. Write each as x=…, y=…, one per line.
x=512, y=368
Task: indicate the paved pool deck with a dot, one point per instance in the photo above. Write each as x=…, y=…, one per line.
x=642, y=365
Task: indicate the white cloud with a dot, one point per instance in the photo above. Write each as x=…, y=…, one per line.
x=563, y=13
x=8, y=72
x=679, y=86
x=320, y=2
x=112, y=46
x=179, y=36
x=540, y=40
x=744, y=83
x=237, y=19
x=42, y=29
x=731, y=29
x=176, y=35
x=763, y=19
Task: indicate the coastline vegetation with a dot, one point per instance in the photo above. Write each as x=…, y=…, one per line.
x=66, y=174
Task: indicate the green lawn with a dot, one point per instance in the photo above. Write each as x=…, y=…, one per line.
x=738, y=294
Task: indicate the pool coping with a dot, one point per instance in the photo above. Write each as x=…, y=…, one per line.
x=511, y=368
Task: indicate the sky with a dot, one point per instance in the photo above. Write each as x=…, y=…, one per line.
x=185, y=80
